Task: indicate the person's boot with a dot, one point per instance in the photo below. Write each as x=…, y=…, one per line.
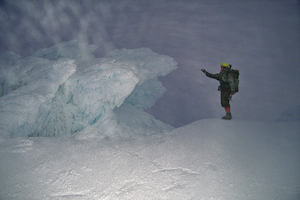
x=227, y=116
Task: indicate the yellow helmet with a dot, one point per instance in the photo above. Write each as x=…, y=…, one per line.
x=224, y=65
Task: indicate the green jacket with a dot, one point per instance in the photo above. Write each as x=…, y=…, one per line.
x=225, y=78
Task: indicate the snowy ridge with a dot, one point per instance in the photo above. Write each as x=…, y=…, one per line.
x=50, y=95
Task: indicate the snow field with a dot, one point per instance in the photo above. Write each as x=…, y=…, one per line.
x=208, y=159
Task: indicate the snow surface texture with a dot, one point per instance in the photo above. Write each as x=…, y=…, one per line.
x=207, y=160
x=64, y=90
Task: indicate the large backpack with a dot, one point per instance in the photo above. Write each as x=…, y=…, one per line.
x=235, y=74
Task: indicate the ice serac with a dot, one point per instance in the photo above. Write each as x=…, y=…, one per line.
x=27, y=89
x=64, y=90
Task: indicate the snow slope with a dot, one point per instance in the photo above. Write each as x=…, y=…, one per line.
x=208, y=159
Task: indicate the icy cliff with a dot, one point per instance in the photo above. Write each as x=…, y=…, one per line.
x=64, y=90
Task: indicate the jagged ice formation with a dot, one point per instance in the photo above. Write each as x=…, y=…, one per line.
x=64, y=90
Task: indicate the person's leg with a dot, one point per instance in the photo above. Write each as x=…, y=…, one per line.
x=225, y=103
x=227, y=109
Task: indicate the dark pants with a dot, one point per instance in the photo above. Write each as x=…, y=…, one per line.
x=225, y=98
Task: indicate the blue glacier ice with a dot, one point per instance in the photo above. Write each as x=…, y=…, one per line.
x=65, y=91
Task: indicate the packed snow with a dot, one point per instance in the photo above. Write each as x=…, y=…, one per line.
x=209, y=160
x=74, y=127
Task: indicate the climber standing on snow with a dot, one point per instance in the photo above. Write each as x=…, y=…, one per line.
x=227, y=86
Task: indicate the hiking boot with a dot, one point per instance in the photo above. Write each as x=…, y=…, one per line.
x=227, y=116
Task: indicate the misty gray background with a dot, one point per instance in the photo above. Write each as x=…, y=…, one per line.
x=261, y=38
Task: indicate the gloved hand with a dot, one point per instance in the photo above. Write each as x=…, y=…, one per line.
x=230, y=96
x=204, y=71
